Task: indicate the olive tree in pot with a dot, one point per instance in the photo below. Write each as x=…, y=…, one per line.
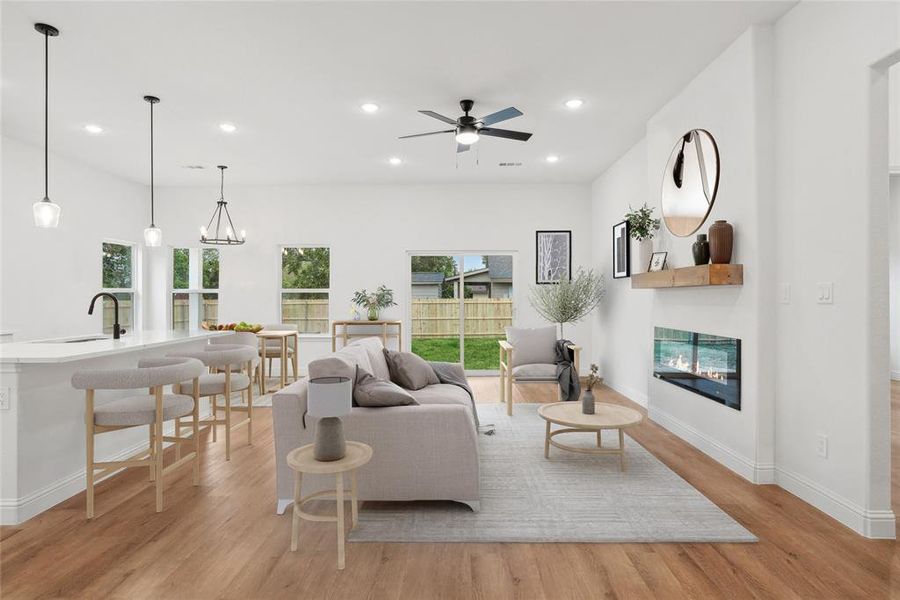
x=642, y=227
x=568, y=301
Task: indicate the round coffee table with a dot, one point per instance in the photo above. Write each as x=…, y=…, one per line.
x=606, y=416
x=301, y=460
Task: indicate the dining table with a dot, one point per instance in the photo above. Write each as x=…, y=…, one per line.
x=283, y=335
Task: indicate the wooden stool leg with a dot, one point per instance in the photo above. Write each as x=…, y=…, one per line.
x=259, y=379
x=178, y=439
x=354, y=501
x=295, y=521
x=214, y=408
x=599, y=439
x=159, y=449
x=228, y=412
x=89, y=445
x=250, y=407
x=340, y=519
x=196, y=427
x=152, y=455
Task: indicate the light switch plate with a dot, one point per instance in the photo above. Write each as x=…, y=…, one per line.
x=785, y=293
x=822, y=445
x=825, y=292
x=4, y=399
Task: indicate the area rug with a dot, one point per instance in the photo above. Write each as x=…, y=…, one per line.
x=568, y=498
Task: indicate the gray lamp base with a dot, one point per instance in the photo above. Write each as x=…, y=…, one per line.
x=329, y=440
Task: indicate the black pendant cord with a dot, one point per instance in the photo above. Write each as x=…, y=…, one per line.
x=152, y=202
x=46, y=114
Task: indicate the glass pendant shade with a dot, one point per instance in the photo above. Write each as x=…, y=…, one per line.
x=153, y=236
x=46, y=214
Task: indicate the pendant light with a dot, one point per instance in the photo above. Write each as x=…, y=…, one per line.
x=229, y=239
x=153, y=234
x=46, y=213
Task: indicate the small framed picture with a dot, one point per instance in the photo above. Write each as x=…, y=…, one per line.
x=554, y=256
x=621, y=251
x=657, y=261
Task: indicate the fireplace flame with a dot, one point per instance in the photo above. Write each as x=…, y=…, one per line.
x=683, y=365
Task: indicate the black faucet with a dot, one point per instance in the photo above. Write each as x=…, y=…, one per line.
x=117, y=329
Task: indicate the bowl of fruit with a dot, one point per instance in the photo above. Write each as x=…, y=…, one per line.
x=242, y=326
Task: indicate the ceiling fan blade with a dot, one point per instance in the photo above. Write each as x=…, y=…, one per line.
x=439, y=117
x=403, y=137
x=505, y=133
x=501, y=115
x=462, y=148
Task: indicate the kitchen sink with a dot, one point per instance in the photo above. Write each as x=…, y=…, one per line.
x=74, y=340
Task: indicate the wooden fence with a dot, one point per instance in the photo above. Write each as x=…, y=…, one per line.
x=181, y=311
x=311, y=316
x=484, y=317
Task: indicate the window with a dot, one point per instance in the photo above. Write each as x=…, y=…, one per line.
x=305, y=282
x=118, y=279
x=195, y=287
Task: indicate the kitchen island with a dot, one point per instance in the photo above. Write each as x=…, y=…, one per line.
x=42, y=439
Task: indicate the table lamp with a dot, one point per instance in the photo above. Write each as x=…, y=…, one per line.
x=328, y=399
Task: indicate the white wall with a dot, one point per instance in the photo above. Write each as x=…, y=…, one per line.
x=50, y=275
x=370, y=228
x=895, y=275
x=731, y=99
x=622, y=329
x=832, y=215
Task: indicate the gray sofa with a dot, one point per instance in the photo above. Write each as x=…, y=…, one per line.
x=421, y=452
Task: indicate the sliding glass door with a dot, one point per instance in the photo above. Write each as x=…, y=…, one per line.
x=460, y=307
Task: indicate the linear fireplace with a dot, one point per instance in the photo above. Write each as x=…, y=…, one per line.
x=709, y=365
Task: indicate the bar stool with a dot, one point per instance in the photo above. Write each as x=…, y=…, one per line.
x=135, y=411
x=243, y=338
x=221, y=357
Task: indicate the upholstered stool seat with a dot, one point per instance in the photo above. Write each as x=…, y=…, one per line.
x=214, y=383
x=243, y=338
x=138, y=410
x=222, y=357
x=141, y=410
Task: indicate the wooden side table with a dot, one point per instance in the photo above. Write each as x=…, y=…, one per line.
x=344, y=333
x=301, y=461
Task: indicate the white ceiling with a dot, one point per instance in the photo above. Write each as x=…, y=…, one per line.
x=291, y=76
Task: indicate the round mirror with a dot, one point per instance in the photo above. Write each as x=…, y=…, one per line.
x=690, y=182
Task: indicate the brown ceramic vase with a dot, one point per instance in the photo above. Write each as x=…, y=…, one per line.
x=721, y=242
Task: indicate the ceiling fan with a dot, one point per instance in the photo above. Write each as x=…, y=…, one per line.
x=469, y=129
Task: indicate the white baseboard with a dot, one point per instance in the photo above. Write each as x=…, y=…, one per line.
x=741, y=465
x=875, y=524
x=282, y=505
x=627, y=391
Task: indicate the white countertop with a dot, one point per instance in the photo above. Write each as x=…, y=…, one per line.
x=58, y=351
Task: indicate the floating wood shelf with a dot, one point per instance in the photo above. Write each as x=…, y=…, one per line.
x=701, y=276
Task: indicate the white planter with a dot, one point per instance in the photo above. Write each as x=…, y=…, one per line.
x=645, y=252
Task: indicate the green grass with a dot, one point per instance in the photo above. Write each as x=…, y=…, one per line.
x=481, y=352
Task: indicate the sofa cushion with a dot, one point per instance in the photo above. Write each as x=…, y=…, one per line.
x=442, y=393
x=374, y=349
x=342, y=363
x=532, y=346
x=410, y=370
x=539, y=372
x=371, y=392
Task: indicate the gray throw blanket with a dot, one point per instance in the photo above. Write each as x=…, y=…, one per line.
x=566, y=374
x=453, y=374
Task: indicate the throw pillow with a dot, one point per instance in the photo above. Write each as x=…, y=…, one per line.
x=371, y=392
x=409, y=370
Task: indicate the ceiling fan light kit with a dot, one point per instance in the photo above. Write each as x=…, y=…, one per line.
x=45, y=212
x=468, y=129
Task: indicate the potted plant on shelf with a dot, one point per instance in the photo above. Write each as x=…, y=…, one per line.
x=587, y=398
x=568, y=301
x=374, y=302
x=642, y=227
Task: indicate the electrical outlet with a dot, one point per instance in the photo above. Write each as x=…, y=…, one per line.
x=822, y=445
x=4, y=399
x=825, y=292
x=785, y=293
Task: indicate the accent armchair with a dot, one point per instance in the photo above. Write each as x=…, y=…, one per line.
x=529, y=356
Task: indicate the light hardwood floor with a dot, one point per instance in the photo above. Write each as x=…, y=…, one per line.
x=223, y=540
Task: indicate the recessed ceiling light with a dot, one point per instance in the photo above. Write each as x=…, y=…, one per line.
x=94, y=129
x=369, y=107
x=395, y=160
x=227, y=127
x=574, y=103
x=552, y=158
